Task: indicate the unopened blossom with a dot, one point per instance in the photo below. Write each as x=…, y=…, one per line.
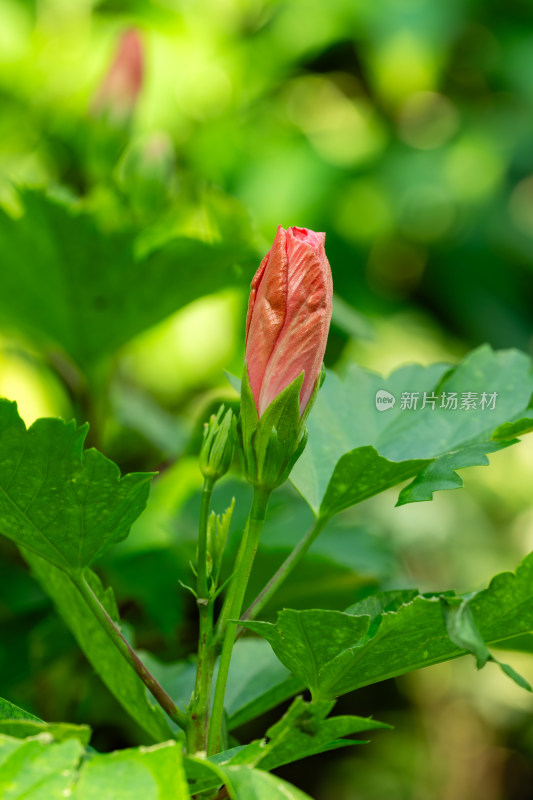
x=289, y=314
x=120, y=88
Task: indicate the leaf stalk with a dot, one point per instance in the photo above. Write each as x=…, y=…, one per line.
x=292, y=560
x=110, y=627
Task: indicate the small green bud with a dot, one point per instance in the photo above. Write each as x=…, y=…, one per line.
x=216, y=453
x=217, y=536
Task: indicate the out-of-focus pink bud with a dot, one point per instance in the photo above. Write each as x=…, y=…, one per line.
x=120, y=88
x=288, y=316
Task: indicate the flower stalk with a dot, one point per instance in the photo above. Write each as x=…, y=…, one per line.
x=216, y=455
x=227, y=623
x=199, y=708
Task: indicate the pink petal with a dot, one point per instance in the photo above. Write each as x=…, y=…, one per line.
x=266, y=311
x=302, y=341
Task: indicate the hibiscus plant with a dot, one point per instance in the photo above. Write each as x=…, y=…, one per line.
x=339, y=441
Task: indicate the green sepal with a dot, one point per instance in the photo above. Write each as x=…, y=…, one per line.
x=249, y=418
x=319, y=381
x=272, y=444
x=281, y=416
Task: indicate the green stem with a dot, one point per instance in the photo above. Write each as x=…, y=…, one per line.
x=199, y=712
x=232, y=609
x=201, y=567
x=198, y=724
x=284, y=571
x=109, y=626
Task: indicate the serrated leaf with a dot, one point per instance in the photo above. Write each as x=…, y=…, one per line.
x=308, y=642
x=98, y=293
x=363, y=473
x=332, y=654
x=511, y=429
x=116, y=673
x=441, y=474
x=464, y=632
x=304, y=730
x=37, y=768
x=151, y=773
x=375, y=604
x=62, y=503
x=339, y=468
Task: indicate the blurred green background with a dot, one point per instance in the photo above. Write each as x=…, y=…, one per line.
x=403, y=129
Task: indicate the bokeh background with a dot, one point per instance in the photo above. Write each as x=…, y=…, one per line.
x=402, y=128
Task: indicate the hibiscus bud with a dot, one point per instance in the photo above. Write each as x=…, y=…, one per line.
x=288, y=316
x=216, y=453
x=117, y=95
x=217, y=536
x=286, y=332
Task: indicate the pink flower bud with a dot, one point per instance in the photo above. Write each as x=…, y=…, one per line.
x=120, y=88
x=288, y=316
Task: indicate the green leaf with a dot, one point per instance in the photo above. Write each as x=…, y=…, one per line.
x=244, y=783
x=514, y=428
x=99, y=292
x=150, y=773
x=303, y=731
x=440, y=474
x=362, y=473
x=37, y=768
x=10, y=711
x=333, y=652
x=62, y=503
x=116, y=673
x=202, y=773
x=257, y=682
x=375, y=604
x=310, y=644
x=59, y=731
x=463, y=631
x=355, y=450
x=517, y=644
x=241, y=782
